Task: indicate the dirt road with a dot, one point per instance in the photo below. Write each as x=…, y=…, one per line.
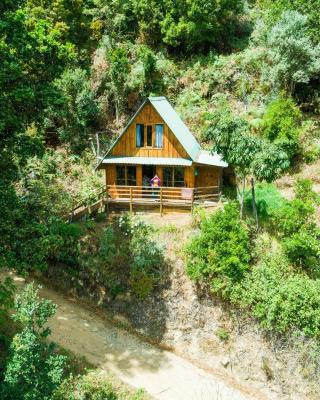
x=164, y=375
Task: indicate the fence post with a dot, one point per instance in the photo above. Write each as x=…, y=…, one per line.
x=130, y=200
x=161, y=205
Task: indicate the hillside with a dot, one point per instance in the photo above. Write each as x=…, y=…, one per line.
x=243, y=280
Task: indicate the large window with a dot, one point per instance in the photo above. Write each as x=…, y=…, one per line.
x=158, y=138
x=140, y=135
x=126, y=175
x=173, y=176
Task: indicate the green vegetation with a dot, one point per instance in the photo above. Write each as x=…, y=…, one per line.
x=276, y=272
x=245, y=78
x=125, y=258
x=34, y=368
x=220, y=254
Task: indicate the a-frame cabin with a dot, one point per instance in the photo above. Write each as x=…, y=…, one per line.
x=157, y=142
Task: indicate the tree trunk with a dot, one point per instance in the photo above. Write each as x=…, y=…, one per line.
x=254, y=204
x=241, y=197
x=98, y=144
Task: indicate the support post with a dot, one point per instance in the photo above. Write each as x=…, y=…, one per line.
x=192, y=200
x=107, y=201
x=131, y=208
x=161, y=204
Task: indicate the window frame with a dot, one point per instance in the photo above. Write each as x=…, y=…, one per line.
x=172, y=177
x=155, y=135
x=126, y=179
x=141, y=136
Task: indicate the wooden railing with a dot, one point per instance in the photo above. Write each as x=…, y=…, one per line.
x=180, y=197
x=162, y=196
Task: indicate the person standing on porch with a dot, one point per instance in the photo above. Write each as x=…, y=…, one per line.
x=155, y=183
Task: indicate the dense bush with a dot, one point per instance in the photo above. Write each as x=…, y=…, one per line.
x=220, y=253
x=281, y=300
x=126, y=258
x=294, y=223
x=282, y=124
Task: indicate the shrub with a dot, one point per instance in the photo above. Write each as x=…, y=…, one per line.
x=220, y=254
x=281, y=300
x=281, y=125
x=64, y=243
x=96, y=386
x=126, y=258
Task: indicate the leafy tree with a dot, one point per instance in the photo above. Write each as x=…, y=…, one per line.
x=33, y=54
x=249, y=155
x=281, y=125
x=188, y=24
x=293, y=58
x=118, y=71
x=276, y=8
x=75, y=110
x=33, y=370
x=220, y=254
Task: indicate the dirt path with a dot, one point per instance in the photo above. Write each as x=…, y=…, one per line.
x=164, y=375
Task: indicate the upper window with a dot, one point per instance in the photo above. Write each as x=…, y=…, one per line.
x=140, y=135
x=149, y=135
x=158, y=139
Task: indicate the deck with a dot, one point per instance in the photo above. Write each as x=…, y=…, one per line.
x=134, y=198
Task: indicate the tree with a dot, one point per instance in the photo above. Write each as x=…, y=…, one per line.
x=292, y=56
x=118, y=71
x=190, y=24
x=249, y=155
x=281, y=125
x=75, y=109
x=34, y=370
x=310, y=8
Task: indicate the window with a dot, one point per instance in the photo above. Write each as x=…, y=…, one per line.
x=139, y=135
x=149, y=135
x=178, y=176
x=131, y=176
x=168, y=176
x=120, y=175
x=126, y=175
x=158, y=140
x=173, y=176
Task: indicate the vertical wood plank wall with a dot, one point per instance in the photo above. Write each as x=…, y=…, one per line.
x=126, y=145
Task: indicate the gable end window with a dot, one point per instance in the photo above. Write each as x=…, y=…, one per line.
x=139, y=135
x=158, y=138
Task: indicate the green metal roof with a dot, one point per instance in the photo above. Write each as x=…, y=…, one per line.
x=181, y=162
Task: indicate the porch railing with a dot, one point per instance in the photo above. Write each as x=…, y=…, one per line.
x=162, y=196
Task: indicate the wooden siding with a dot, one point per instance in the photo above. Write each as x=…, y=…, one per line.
x=208, y=176
x=126, y=145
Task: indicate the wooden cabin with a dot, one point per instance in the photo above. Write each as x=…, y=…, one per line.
x=157, y=142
